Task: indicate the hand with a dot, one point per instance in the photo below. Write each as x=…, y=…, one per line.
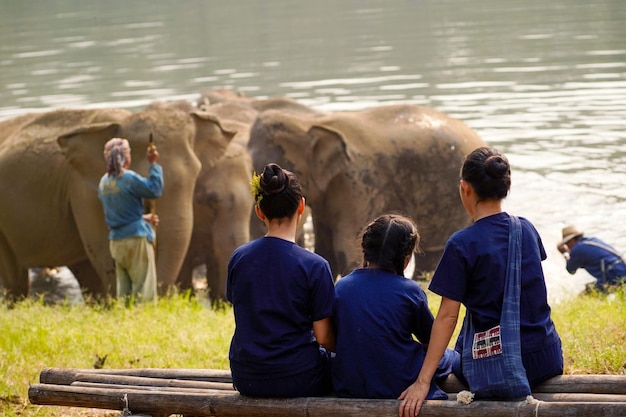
x=412, y=399
x=562, y=248
x=153, y=219
x=152, y=154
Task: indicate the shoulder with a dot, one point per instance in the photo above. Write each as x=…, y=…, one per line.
x=528, y=225
x=130, y=174
x=306, y=255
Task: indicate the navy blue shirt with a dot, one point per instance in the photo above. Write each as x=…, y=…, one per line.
x=278, y=289
x=472, y=270
x=589, y=253
x=376, y=315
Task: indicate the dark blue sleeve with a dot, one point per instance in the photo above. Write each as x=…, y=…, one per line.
x=322, y=292
x=423, y=318
x=449, y=278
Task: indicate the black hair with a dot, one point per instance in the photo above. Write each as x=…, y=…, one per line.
x=281, y=192
x=489, y=173
x=388, y=240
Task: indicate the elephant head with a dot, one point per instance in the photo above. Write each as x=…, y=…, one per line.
x=354, y=166
x=222, y=201
x=184, y=140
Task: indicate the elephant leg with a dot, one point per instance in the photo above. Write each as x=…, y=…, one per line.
x=324, y=244
x=214, y=285
x=231, y=229
x=185, y=276
x=13, y=277
x=89, y=280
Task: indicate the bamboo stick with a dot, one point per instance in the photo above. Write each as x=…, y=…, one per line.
x=155, y=382
x=143, y=387
x=579, y=397
x=551, y=397
x=230, y=404
x=573, y=384
x=592, y=384
x=65, y=376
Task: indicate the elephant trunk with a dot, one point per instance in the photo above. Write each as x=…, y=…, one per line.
x=172, y=241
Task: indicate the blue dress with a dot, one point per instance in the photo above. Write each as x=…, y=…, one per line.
x=472, y=270
x=376, y=315
x=278, y=289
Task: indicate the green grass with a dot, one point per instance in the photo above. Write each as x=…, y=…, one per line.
x=183, y=333
x=177, y=333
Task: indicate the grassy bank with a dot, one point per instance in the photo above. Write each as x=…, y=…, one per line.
x=183, y=333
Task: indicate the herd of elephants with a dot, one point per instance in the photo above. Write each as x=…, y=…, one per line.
x=353, y=166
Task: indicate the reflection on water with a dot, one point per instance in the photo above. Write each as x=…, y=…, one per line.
x=543, y=81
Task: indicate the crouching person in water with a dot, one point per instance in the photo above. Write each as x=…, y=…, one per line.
x=377, y=313
x=282, y=298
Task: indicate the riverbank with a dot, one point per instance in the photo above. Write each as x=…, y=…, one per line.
x=182, y=332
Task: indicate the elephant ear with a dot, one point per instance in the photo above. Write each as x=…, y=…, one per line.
x=83, y=147
x=330, y=154
x=212, y=138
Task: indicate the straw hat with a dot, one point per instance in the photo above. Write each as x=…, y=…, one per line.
x=569, y=233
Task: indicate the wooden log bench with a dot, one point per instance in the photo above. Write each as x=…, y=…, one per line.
x=209, y=392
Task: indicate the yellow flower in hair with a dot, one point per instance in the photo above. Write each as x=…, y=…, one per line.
x=255, y=188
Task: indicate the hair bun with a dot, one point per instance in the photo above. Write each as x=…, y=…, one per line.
x=274, y=180
x=496, y=166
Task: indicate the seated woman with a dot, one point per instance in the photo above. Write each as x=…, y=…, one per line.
x=377, y=313
x=282, y=297
x=473, y=271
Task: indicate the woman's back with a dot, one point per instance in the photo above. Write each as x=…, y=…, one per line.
x=473, y=272
x=277, y=289
x=375, y=316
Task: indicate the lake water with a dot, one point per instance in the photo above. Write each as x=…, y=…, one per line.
x=543, y=81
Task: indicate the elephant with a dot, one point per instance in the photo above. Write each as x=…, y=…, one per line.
x=233, y=107
x=237, y=106
x=356, y=165
x=50, y=165
x=221, y=203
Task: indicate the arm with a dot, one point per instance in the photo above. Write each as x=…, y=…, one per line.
x=414, y=396
x=323, y=331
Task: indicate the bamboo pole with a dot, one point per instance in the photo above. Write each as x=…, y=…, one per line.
x=145, y=381
x=65, y=376
x=145, y=388
x=592, y=384
x=551, y=397
x=573, y=384
x=579, y=397
x=230, y=404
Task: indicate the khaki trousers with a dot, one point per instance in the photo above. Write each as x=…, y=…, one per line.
x=135, y=269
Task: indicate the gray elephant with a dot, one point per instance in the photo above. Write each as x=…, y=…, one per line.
x=221, y=201
x=236, y=105
x=238, y=112
x=50, y=164
x=357, y=165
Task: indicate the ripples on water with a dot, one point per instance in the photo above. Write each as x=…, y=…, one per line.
x=543, y=81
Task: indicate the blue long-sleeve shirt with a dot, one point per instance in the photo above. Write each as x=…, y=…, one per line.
x=590, y=254
x=122, y=200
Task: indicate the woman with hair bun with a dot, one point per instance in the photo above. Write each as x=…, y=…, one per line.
x=472, y=272
x=377, y=313
x=282, y=298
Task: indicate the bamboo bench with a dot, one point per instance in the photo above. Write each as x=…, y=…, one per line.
x=209, y=392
